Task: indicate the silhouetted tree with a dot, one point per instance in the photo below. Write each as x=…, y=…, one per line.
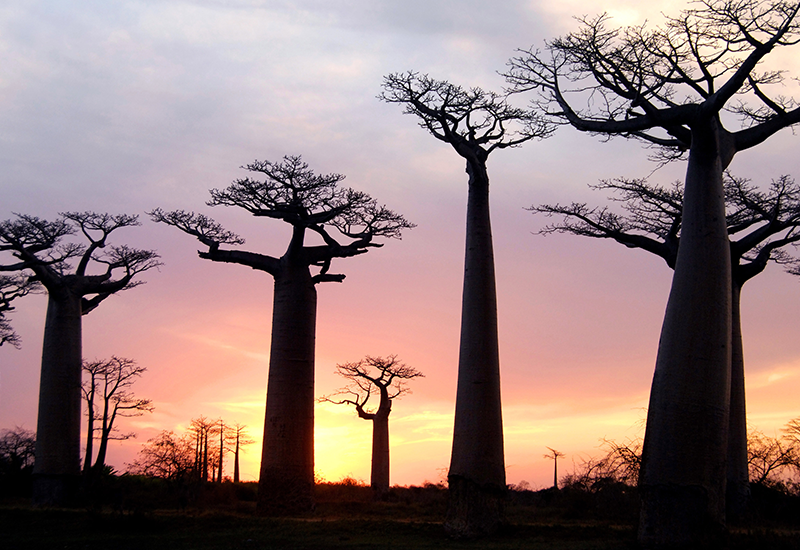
x=768, y=456
x=201, y=428
x=40, y=247
x=385, y=377
x=309, y=203
x=108, y=398
x=241, y=440
x=475, y=123
x=555, y=455
x=227, y=437
x=667, y=87
x=760, y=225
x=167, y=456
x=11, y=287
x=17, y=448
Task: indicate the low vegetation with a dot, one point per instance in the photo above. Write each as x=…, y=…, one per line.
x=134, y=512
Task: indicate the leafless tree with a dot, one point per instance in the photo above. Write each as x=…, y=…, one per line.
x=474, y=122
x=201, y=429
x=554, y=455
x=768, y=457
x=11, y=287
x=346, y=222
x=45, y=248
x=17, y=449
x=241, y=440
x=668, y=86
x=107, y=396
x=761, y=225
x=387, y=378
x=167, y=456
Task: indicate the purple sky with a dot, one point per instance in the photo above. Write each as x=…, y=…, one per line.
x=126, y=106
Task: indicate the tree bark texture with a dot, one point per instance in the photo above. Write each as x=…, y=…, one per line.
x=738, y=481
x=56, y=471
x=379, y=476
x=287, y=462
x=686, y=440
x=477, y=468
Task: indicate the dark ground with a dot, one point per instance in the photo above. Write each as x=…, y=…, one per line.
x=144, y=514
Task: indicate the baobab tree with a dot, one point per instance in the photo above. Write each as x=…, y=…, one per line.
x=107, y=395
x=761, y=224
x=102, y=270
x=346, y=223
x=202, y=428
x=11, y=287
x=667, y=86
x=475, y=123
x=387, y=378
x=241, y=440
x=555, y=455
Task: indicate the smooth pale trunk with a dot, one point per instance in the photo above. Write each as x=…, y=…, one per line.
x=287, y=462
x=476, y=477
x=685, y=449
x=379, y=476
x=57, y=467
x=738, y=483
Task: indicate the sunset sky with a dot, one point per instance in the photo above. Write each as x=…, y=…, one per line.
x=125, y=106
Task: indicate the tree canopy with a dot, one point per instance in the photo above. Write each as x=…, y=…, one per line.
x=653, y=83
x=761, y=224
x=347, y=220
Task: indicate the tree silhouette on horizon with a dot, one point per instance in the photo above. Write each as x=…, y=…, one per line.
x=43, y=248
x=475, y=123
x=760, y=225
x=386, y=376
x=12, y=287
x=668, y=86
x=108, y=398
x=312, y=204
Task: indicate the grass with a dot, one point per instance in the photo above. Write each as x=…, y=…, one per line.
x=222, y=517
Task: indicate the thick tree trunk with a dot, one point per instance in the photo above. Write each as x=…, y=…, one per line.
x=379, y=476
x=57, y=465
x=476, y=477
x=738, y=484
x=287, y=461
x=684, y=456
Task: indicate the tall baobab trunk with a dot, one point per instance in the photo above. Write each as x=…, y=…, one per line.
x=476, y=478
x=738, y=481
x=379, y=476
x=57, y=467
x=286, y=483
x=686, y=440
